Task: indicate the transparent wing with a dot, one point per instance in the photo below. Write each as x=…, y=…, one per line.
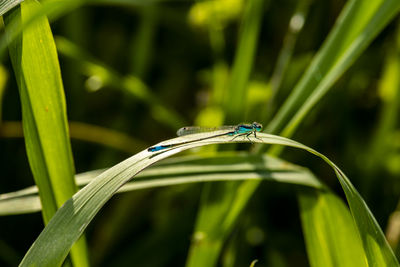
x=197, y=129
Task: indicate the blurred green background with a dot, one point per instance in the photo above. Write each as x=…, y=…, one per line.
x=142, y=71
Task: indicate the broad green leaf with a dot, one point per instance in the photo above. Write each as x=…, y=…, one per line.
x=53, y=244
x=189, y=169
x=37, y=72
x=6, y=5
x=54, y=8
x=329, y=244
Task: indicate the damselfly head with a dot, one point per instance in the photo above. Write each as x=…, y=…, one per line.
x=257, y=126
x=182, y=131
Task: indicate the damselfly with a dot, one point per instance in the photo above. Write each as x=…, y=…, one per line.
x=237, y=130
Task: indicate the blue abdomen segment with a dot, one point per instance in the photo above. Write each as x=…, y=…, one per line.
x=158, y=148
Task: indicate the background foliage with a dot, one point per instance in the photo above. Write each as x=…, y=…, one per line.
x=133, y=73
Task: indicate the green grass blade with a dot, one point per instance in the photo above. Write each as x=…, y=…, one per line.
x=53, y=244
x=357, y=26
x=37, y=72
x=244, y=58
x=53, y=8
x=6, y=5
x=183, y=170
x=329, y=244
x=235, y=102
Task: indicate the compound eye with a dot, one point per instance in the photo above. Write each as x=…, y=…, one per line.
x=257, y=126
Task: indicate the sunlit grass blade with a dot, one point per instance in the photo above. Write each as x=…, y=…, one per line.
x=54, y=8
x=182, y=170
x=53, y=244
x=359, y=23
x=37, y=72
x=329, y=231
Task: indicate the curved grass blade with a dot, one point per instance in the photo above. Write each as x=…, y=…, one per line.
x=53, y=244
x=182, y=170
